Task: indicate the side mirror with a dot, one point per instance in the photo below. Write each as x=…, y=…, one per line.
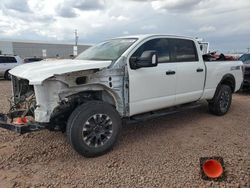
x=147, y=59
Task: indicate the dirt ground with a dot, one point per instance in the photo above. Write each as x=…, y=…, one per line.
x=163, y=152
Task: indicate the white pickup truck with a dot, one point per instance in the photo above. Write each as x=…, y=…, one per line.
x=127, y=78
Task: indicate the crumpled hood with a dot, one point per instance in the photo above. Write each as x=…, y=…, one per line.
x=37, y=72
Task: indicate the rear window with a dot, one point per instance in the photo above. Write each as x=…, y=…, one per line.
x=183, y=50
x=7, y=59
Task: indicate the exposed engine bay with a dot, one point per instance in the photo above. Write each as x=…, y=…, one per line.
x=23, y=101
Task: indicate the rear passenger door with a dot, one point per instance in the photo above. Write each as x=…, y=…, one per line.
x=190, y=71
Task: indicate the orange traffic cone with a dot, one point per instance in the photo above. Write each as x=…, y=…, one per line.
x=212, y=168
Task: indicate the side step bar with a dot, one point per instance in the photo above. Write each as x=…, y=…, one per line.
x=21, y=129
x=164, y=112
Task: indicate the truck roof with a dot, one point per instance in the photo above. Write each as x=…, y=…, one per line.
x=144, y=36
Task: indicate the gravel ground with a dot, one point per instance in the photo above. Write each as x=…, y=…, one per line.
x=162, y=152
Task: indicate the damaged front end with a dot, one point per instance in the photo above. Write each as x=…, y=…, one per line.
x=48, y=105
x=23, y=101
x=20, y=117
x=45, y=94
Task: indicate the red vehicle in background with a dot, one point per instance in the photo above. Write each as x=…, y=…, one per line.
x=214, y=56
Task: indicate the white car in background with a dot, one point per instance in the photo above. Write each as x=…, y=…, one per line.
x=8, y=62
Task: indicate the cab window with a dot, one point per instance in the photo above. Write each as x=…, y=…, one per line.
x=161, y=46
x=183, y=50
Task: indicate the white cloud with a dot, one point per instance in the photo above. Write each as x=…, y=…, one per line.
x=149, y=27
x=119, y=18
x=207, y=29
x=215, y=20
x=125, y=32
x=64, y=10
x=89, y=4
x=16, y=5
x=96, y=25
x=175, y=4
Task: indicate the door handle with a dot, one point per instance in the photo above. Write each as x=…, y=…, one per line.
x=170, y=72
x=199, y=70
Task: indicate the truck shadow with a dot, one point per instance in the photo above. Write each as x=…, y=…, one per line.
x=244, y=92
x=3, y=80
x=134, y=132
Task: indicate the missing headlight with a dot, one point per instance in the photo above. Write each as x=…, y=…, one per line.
x=81, y=80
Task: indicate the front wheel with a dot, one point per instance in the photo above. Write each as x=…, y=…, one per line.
x=93, y=128
x=222, y=101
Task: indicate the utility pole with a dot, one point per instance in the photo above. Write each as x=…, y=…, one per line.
x=75, y=50
x=76, y=37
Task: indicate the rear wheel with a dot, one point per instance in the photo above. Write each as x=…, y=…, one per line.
x=222, y=101
x=93, y=128
x=7, y=75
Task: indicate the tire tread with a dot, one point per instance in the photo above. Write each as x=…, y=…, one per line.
x=71, y=122
x=213, y=105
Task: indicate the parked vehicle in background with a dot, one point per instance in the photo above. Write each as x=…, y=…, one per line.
x=245, y=58
x=8, y=62
x=129, y=78
x=32, y=59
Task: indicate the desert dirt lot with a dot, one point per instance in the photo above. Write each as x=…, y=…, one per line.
x=163, y=152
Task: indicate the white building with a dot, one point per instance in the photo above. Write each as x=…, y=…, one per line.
x=40, y=49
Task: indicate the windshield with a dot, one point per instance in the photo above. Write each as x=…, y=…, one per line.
x=109, y=50
x=245, y=58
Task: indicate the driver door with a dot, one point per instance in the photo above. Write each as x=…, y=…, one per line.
x=152, y=88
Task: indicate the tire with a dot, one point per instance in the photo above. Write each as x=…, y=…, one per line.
x=221, y=101
x=93, y=128
x=7, y=75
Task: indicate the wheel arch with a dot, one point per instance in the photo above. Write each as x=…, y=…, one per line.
x=71, y=99
x=228, y=79
x=100, y=92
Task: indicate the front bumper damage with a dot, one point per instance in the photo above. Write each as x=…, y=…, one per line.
x=20, y=128
x=50, y=104
x=22, y=106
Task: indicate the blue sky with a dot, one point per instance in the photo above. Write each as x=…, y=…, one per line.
x=224, y=23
